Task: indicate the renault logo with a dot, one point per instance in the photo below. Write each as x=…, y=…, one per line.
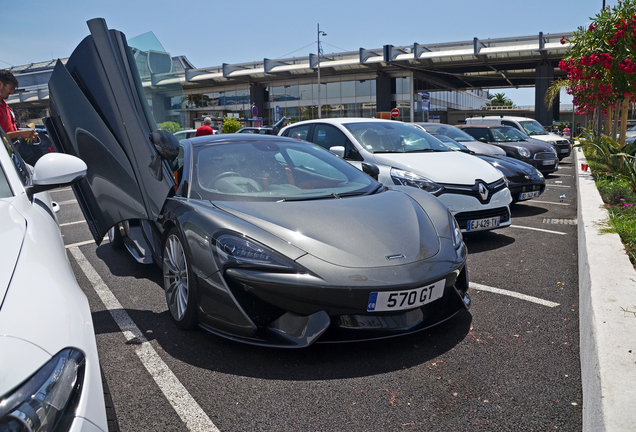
x=483, y=191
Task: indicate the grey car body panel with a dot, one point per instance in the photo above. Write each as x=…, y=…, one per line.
x=347, y=232
x=98, y=115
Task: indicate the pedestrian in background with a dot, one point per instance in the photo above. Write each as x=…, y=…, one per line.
x=8, y=83
x=205, y=129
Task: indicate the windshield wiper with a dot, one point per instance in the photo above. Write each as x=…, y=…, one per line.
x=428, y=150
x=330, y=196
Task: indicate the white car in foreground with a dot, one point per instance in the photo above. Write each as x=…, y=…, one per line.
x=474, y=191
x=50, y=377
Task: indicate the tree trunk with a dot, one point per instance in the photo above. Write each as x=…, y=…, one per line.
x=607, y=126
x=624, y=120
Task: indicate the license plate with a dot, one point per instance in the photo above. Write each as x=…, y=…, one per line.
x=565, y=150
x=409, y=299
x=528, y=195
x=549, y=162
x=481, y=224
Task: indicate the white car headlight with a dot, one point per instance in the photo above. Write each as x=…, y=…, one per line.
x=539, y=173
x=48, y=399
x=407, y=178
x=523, y=152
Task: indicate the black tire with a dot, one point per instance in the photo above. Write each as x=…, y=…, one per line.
x=178, y=282
x=111, y=415
x=115, y=237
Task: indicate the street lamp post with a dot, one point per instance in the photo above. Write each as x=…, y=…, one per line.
x=319, y=53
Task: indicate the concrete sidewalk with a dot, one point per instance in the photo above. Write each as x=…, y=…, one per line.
x=607, y=285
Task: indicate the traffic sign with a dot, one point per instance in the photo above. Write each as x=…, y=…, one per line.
x=254, y=111
x=395, y=113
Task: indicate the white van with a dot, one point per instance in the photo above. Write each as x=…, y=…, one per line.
x=530, y=127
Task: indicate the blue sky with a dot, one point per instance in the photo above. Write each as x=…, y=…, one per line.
x=214, y=32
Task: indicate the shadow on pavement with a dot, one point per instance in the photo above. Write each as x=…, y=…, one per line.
x=317, y=362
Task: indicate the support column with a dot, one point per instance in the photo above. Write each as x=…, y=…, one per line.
x=384, y=88
x=258, y=96
x=543, y=80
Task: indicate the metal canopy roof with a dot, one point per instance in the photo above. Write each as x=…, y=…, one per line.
x=476, y=64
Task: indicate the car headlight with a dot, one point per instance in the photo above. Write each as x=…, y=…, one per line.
x=456, y=231
x=234, y=249
x=505, y=179
x=552, y=142
x=48, y=399
x=539, y=173
x=523, y=152
x=407, y=178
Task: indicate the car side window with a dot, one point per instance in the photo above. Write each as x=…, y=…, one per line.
x=298, y=132
x=327, y=136
x=478, y=133
x=19, y=164
x=509, y=123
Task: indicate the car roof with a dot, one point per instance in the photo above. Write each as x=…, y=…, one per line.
x=236, y=138
x=483, y=126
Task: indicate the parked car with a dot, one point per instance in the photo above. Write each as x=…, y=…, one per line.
x=529, y=127
x=185, y=134
x=264, y=130
x=32, y=150
x=524, y=181
x=259, y=237
x=476, y=193
x=48, y=355
x=541, y=156
x=461, y=137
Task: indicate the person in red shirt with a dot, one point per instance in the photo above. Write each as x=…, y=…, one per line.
x=205, y=129
x=8, y=83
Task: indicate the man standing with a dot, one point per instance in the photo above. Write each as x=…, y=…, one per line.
x=205, y=129
x=8, y=83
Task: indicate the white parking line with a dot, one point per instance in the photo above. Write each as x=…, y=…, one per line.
x=181, y=400
x=68, y=246
x=73, y=201
x=532, y=299
x=550, y=202
x=538, y=229
x=556, y=185
x=72, y=223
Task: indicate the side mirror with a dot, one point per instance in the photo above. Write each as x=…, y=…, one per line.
x=166, y=144
x=55, y=170
x=338, y=151
x=371, y=170
x=484, y=140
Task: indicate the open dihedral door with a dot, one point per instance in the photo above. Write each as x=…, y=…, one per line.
x=98, y=112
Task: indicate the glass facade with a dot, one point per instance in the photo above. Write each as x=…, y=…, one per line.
x=351, y=96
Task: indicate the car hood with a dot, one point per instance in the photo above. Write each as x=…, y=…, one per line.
x=12, y=229
x=512, y=168
x=379, y=230
x=484, y=149
x=442, y=167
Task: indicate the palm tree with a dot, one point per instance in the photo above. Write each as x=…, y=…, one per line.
x=499, y=99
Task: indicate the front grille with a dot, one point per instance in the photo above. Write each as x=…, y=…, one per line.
x=544, y=156
x=473, y=191
x=502, y=212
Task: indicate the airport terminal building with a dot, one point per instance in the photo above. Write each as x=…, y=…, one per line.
x=415, y=82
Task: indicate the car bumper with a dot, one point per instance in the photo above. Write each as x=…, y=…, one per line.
x=296, y=310
x=526, y=191
x=466, y=208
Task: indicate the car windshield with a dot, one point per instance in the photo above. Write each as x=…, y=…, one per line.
x=450, y=131
x=506, y=134
x=274, y=171
x=533, y=127
x=394, y=137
